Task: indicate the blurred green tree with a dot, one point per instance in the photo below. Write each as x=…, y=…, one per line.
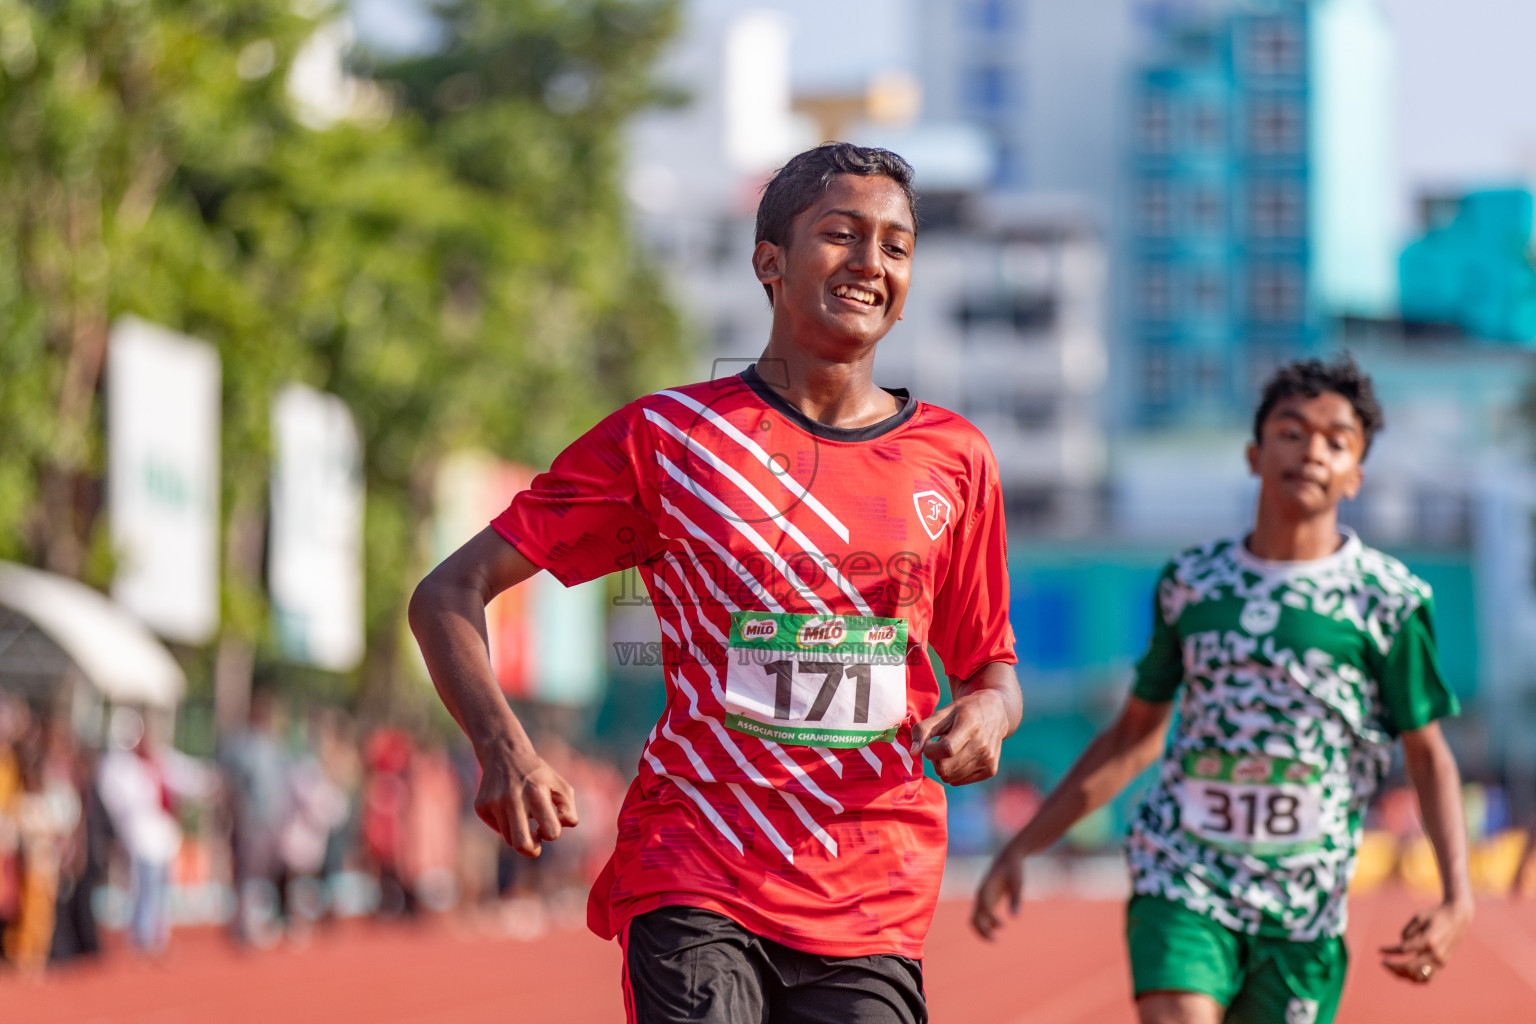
x=445, y=248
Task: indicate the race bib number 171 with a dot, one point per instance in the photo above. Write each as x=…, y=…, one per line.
x=816, y=680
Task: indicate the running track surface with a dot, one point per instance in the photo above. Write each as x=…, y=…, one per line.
x=1063, y=963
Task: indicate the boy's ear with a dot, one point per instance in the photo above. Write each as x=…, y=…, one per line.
x=768, y=262
x=1253, y=457
x=1352, y=484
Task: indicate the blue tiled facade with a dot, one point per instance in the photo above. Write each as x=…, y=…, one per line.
x=1218, y=214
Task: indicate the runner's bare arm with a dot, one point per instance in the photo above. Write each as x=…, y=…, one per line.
x=1429, y=939
x=964, y=739
x=447, y=615
x=1115, y=757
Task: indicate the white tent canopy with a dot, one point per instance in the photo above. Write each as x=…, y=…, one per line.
x=120, y=657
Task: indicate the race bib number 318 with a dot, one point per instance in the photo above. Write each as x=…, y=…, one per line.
x=1253, y=804
x=816, y=680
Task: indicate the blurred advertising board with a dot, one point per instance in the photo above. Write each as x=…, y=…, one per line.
x=163, y=478
x=546, y=641
x=315, y=561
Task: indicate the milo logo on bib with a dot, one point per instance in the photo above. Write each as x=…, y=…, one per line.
x=822, y=633
x=759, y=629
x=816, y=680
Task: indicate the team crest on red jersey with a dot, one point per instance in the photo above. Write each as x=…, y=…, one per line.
x=932, y=511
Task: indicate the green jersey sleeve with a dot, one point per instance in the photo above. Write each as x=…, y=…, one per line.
x=1161, y=668
x=1412, y=687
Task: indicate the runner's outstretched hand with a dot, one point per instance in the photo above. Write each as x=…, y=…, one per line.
x=1428, y=941
x=964, y=740
x=524, y=799
x=1004, y=881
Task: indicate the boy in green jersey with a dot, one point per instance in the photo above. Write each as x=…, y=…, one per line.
x=1298, y=656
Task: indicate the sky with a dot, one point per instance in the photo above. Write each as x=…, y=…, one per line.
x=1466, y=78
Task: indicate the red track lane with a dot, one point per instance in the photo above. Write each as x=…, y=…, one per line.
x=1063, y=963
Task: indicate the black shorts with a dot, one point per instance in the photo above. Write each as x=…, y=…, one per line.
x=685, y=964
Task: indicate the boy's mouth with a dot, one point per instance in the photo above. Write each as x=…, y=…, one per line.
x=853, y=293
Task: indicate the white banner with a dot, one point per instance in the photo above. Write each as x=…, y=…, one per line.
x=315, y=571
x=163, y=478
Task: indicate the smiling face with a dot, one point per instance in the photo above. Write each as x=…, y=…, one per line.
x=840, y=282
x=1308, y=455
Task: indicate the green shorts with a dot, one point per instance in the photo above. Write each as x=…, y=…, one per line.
x=1259, y=980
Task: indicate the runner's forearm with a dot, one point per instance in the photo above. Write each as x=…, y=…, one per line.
x=1432, y=770
x=1115, y=757
x=449, y=624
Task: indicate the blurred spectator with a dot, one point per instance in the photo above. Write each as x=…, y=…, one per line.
x=83, y=867
x=138, y=778
x=970, y=821
x=1397, y=811
x=13, y=724
x=386, y=796
x=316, y=806
x=429, y=854
x=256, y=773
x=336, y=747
x=1525, y=877
x=1014, y=801
x=46, y=813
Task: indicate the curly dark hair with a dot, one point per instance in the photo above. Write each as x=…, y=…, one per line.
x=796, y=186
x=1312, y=377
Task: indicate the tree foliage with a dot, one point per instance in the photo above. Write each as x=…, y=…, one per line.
x=460, y=273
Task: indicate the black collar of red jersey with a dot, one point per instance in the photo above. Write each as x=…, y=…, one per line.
x=816, y=428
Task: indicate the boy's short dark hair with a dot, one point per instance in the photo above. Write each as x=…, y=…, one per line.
x=796, y=186
x=1312, y=377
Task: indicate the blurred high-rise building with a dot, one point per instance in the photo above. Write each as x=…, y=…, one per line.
x=1005, y=322
x=1259, y=199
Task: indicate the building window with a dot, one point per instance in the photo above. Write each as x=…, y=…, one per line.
x=1155, y=209
x=1208, y=210
x=1028, y=313
x=1157, y=291
x=1276, y=126
x=1209, y=376
x=1276, y=293
x=1276, y=210
x=1208, y=292
x=990, y=16
x=1035, y=412
x=1276, y=47
x=1208, y=126
x=1156, y=377
x=986, y=89
x=1029, y=507
x=1156, y=124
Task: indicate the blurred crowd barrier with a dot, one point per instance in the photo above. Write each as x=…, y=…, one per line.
x=297, y=823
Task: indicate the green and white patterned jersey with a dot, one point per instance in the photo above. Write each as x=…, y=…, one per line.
x=1296, y=678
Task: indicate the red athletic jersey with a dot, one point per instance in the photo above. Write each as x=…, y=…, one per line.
x=748, y=520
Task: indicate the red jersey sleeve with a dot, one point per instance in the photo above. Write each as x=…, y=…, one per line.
x=585, y=517
x=970, y=612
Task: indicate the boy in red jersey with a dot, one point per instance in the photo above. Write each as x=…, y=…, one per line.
x=805, y=536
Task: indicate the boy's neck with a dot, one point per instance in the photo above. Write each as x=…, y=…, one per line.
x=837, y=394
x=1277, y=538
